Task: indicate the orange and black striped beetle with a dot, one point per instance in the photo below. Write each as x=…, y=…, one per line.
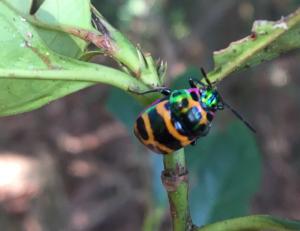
x=180, y=117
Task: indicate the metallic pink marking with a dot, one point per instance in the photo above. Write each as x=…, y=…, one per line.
x=196, y=90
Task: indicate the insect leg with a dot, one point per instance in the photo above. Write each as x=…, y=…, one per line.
x=163, y=90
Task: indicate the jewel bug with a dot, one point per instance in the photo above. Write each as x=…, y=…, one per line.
x=180, y=117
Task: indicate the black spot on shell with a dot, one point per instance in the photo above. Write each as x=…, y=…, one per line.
x=161, y=132
x=184, y=103
x=194, y=96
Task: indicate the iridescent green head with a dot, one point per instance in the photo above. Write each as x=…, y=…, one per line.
x=209, y=99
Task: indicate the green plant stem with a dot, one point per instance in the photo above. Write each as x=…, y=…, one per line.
x=175, y=173
x=124, y=51
x=255, y=222
x=97, y=74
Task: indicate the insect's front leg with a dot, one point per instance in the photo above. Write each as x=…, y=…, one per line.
x=163, y=90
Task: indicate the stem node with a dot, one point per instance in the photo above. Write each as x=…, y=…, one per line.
x=172, y=179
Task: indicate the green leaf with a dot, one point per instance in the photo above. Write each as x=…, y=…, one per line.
x=31, y=75
x=21, y=48
x=22, y=6
x=252, y=223
x=225, y=169
x=268, y=40
x=72, y=13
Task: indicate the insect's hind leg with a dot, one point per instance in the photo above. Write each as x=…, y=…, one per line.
x=163, y=90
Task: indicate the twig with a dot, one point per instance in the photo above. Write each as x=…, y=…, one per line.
x=255, y=222
x=175, y=180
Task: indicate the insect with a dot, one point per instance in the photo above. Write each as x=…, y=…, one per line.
x=180, y=117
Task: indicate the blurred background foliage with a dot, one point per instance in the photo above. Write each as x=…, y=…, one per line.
x=77, y=158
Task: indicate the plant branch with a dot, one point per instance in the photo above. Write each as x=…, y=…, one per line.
x=267, y=41
x=175, y=180
x=254, y=223
x=97, y=74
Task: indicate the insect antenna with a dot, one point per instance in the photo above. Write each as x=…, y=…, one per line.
x=239, y=116
x=205, y=77
x=223, y=103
